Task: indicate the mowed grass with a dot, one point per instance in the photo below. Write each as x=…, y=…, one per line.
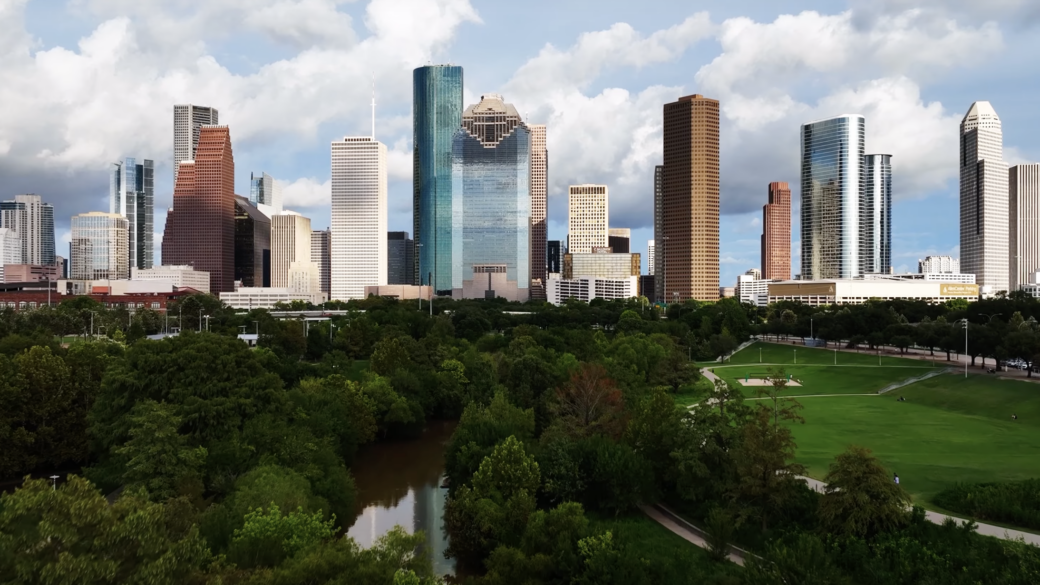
x=824, y=379
x=949, y=430
x=774, y=353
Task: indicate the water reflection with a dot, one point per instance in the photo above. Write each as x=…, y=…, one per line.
x=399, y=484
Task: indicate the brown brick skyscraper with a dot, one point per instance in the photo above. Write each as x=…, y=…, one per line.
x=690, y=200
x=776, y=233
x=539, y=202
x=200, y=228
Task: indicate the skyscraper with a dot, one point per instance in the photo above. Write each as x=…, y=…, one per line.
x=131, y=188
x=619, y=240
x=832, y=186
x=539, y=209
x=10, y=249
x=358, y=216
x=588, y=215
x=264, y=190
x=321, y=254
x=690, y=199
x=651, y=257
x=290, y=242
x=656, y=259
x=491, y=203
x=99, y=246
x=33, y=221
x=200, y=228
x=984, y=199
x=554, y=257
x=188, y=121
x=252, y=245
x=400, y=250
x=1024, y=225
x=436, y=116
x=776, y=233
x=875, y=214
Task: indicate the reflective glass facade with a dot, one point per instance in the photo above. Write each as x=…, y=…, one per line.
x=876, y=214
x=491, y=207
x=99, y=247
x=132, y=195
x=436, y=116
x=832, y=184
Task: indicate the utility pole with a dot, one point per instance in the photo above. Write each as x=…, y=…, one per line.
x=964, y=323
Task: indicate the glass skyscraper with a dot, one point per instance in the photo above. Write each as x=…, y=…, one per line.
x=832, y=185
x=491, y=202
x=436, y=116
x=132, y=195
x=876, y=214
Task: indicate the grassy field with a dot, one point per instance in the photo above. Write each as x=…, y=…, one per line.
x=773, y=353
x=949, y=429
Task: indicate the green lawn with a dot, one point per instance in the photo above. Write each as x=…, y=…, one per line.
x=676, y=559
x=825, y=379
x=773, y=353
x=948, y=430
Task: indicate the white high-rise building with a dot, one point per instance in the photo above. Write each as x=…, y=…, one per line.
x=99, y=246
x=33, y=221
x=587, y=218
x=188, y=120
x=358, y=232
x=1024, y=226
x=939, y=265
x=984, y=199
x=290, y=242
x=650, y=257
x=10, y=249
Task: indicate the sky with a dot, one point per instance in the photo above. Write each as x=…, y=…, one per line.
x=85, y=83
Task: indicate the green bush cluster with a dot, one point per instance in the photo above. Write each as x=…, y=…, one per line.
x=1016, y=502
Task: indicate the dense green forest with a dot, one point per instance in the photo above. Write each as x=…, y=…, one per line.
x=199, y=460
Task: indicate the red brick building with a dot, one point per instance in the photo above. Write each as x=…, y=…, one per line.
x=776, y=233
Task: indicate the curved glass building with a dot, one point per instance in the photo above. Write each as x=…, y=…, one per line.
x=491, y=203
x=436, y=116
x=876, y=214
x=832, y=187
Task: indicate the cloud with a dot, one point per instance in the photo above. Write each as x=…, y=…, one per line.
x=306, y=192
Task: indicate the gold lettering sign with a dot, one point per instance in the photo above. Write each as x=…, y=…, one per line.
x=959, y=290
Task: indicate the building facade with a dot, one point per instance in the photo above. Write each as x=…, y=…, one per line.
x=31, y=273
x=656, y=259
x=175, y=276
x=776, y=233
x=267, y=298
x=33, y=221
x=400, y=250
x=651, y=256
x=131, y=189
x=264, y=190
x=436, y=116
x=491, y=198
x=690, y=199
x=290, y=242
x=984, y=199
x=99, y=246
x=939, y=264
x=588, y=288
x=554, y=257
x=188, y=121
x=321, y=256
x=875, y=215
x=832, y=184
x=539, y=209
x=200, y=228
x=857, y=292
x=601, y=265
x=619, y=240
x=359, y=245
x=1024, y=223
x=252, y=245
x=10, y=249
x=588, y=215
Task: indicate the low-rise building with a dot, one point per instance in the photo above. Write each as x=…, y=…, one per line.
x=177, y=276
x=588, y=288
x=268, y=297
x=855, y=292
x=30, y=272
x=751, y=288
x=929, y=276
x=601, y=265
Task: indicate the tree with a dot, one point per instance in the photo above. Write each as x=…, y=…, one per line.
x=548, y=550
x=479, y=430
x=389, y=355
x=268, y=537
x=157, y=457
x=801, y=558
x=337, y=407
x=860, y=498
x=590, y=403
x=765, y=468
x=783, y=408
x=73, y=535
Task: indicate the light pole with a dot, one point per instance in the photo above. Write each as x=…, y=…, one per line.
x=200, y=320
x=419, y=252
x=796, y=356
x=54, y=482
x=257, y=323
x=811, y=336
x=207, y=322
x=964, y=323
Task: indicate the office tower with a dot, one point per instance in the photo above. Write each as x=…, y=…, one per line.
x=939, y=265
x=252, y=245
x=984, y=199
x=200, y=228
x=188, y=121
x=321, y=254
x=400, y=259
x=358, y=216
x=650, y=257
x=776, y=233
x=657, y=259
x=690, y=199
x=33, y=221
x=99, y=246
x=436, y=115
x=539, y=209
x=875, y=215
x=290, y=242
x=832, y=187
x=619, y=240
x=1024, y=224
x=491, y=219
x=63, y=266
x=10, y=249
x=553, y=257
x=131, y=189
x=264, y=190
x=588, y=211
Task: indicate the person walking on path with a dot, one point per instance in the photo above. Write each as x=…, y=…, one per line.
x=896, y=478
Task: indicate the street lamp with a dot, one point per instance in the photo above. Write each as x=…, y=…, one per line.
x=207, y=322
x=54, y=482
x=964, y=324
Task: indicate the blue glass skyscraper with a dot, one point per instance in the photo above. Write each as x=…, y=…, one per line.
x=491, y=203
x=876, y=214
x=132, y=195
x=436, y=116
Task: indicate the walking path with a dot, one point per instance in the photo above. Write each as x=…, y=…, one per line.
x=687, y=531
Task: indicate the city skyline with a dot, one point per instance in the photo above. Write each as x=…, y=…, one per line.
x=653, y=51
